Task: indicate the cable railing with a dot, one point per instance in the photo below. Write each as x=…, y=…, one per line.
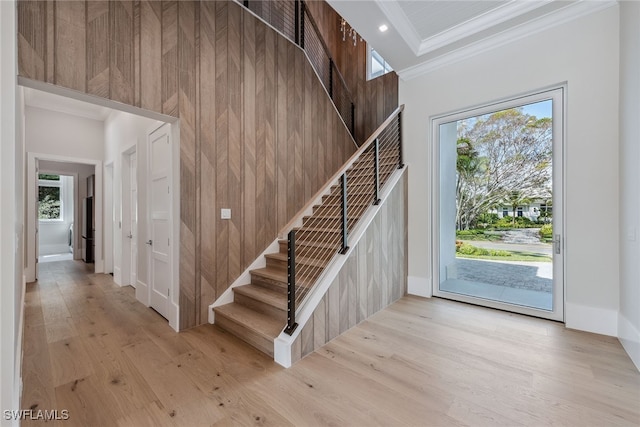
x=348, y=194
x=294, y=21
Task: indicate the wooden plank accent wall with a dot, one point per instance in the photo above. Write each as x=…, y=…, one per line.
x=258, y=134
x=375, y=99
x=373, y=277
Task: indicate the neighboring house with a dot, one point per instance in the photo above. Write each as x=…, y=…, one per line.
x=599, y=67
x=534, y=210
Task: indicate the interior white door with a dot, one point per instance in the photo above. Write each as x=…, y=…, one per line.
x=159, y=179
x=133, y=217
x=37, y=214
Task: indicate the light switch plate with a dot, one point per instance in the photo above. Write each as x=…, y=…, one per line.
x=225, y=213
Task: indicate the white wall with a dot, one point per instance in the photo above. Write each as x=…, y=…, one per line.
x=11, y=216
x=60, y=134
x=585, y=54
x=629, y=318
x=125, y=133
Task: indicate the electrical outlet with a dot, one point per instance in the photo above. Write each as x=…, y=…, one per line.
x=225, y=213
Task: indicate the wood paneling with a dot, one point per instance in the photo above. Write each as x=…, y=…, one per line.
x=373, y=277
x=375, y=99
x=257, y=133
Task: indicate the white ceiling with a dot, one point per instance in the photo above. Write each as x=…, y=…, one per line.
x=62, y=104
x=425, y=35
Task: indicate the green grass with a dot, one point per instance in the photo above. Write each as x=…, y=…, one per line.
x=477, y=235
x=513, y=256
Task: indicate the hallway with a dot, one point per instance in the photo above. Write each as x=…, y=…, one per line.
x=92, y=349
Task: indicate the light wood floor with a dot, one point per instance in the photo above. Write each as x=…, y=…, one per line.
x=92, y=349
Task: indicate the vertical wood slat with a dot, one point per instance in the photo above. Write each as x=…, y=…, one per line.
x=69, y=45
x=32, y=39
x=156, y=55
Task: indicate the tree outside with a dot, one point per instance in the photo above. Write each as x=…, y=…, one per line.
x=504, y=159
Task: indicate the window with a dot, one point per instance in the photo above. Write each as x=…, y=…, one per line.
x=49, y=197
x=505, y=212
x=520, y=211
x=377, y=66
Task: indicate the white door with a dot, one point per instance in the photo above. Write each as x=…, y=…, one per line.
x=37, y=213
x=500, y=159
x=133, y=218
x=159, y=179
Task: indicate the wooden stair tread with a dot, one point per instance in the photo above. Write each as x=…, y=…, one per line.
x=261, y=324
x=302, y=260
x=268, y=296
x=326, y=245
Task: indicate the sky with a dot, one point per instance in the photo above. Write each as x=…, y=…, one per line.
x=539, y=109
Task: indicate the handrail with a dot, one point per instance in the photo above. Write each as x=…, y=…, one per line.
x=290, y=18
x=325, y=233
x=314, y=200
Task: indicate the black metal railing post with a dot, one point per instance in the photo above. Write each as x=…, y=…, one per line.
x=345, y=241
x=291, y=283
x=302, y=13
x=353, y=120
x=400, y=160
x=376, y=172
x=246, y=3
x=331, y=78
x=296, y=19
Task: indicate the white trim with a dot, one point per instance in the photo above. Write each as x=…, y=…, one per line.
x=283, y=343
x=419, y=286
x=569, y=13
x=629, y=337
x=503, y=13
x=591, y=319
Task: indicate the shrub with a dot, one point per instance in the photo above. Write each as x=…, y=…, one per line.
x=466, y=249
x=546, y=231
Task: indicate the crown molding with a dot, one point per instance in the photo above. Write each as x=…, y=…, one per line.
x=479, y=23
x=569, y=13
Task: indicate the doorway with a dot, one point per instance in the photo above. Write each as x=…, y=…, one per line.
x=498, y=221
x=55, y=216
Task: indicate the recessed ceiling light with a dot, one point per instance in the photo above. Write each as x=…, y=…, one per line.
x=383, y=28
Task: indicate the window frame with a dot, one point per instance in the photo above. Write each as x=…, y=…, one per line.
x=386, y=68
x=52, y=183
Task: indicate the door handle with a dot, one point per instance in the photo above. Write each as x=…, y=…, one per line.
x=557, y=244
x=149, y=242
x=130, y=236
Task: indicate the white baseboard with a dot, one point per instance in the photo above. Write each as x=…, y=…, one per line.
x=591, y=319
x=19, y=349
x=629, y=337
x=54, y=249
x=142, y=292
x=419, y=286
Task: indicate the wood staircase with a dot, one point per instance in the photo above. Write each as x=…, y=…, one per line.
x=259, y=311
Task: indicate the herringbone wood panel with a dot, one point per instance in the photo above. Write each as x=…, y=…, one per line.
x=257, y=131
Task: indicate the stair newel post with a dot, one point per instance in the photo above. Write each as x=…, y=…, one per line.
x=345, y=246
x=302, y=13
x=400, y=160
x=291, y=283
x=376, y=172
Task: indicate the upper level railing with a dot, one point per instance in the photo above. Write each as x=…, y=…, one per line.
x=294, y=21
x=345, y=198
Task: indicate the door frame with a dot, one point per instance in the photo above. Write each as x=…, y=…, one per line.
x=125, y=214
x=109, y=217
x=32, y=190
x=557, y=93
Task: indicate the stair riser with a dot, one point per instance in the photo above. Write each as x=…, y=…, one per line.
x=260, y=307
x=268, y=283
x=245, y=334
x=335, y=223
